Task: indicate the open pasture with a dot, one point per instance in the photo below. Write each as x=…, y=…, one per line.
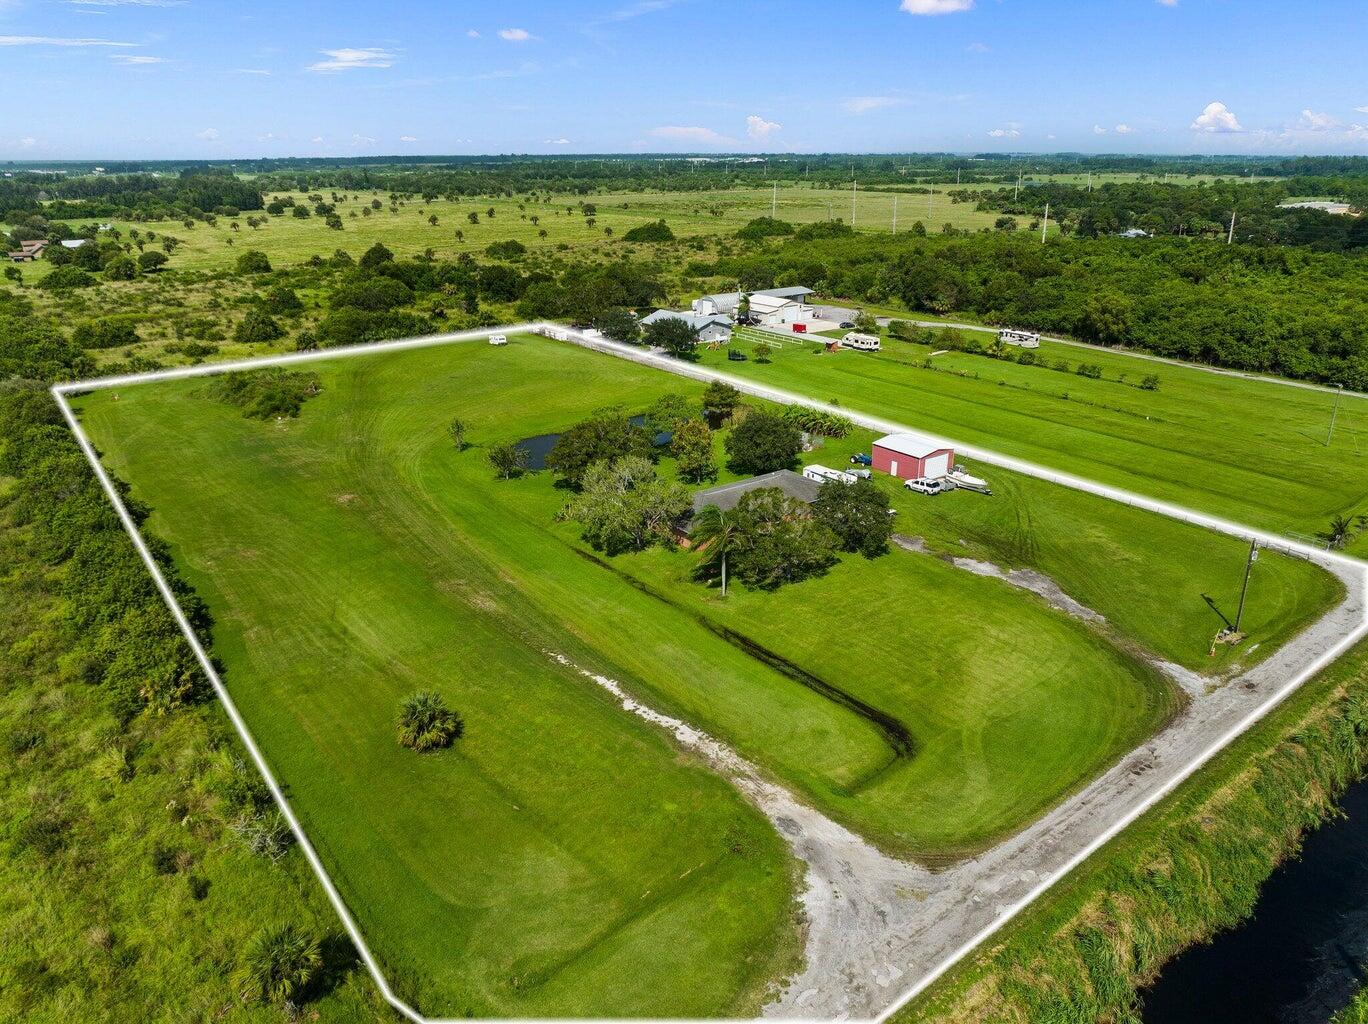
x=408, y=231
x=1251, y=451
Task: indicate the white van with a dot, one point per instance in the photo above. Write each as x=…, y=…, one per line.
x=498, y=339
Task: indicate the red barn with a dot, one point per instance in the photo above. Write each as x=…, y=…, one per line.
x=912, y=456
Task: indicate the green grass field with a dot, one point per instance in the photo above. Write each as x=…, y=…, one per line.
x=1251, y=451
x=353, y=555
x=407, y=232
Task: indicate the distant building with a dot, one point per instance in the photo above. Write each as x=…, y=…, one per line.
x=707, y=329
x=1324, y=207
x=725, y=303
x=1134, y=233
x=912, y=456
x=74, y=243
x=29, y=251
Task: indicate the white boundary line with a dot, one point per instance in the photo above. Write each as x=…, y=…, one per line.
x=558, y=332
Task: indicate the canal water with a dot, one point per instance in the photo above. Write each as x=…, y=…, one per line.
x=1301, y=957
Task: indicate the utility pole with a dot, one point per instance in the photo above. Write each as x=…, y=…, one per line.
x=929, y=200
x=895, y=214
x=1334, y=412
x=1231, y=237
x=774, y=200
x=957, y=175
x=854, y=185
x=1249, y=567
x=1045, y=226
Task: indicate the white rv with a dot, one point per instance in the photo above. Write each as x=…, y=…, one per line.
x=861, y=342
x=1024, y=339
x=822, y=474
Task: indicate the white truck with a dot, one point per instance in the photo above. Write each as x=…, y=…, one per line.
x=822, y=474
x=1023, y=339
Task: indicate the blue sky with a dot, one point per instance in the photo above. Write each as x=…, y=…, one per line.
x=92, y=79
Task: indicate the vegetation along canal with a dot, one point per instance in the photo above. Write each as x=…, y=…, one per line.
x=1299, y=958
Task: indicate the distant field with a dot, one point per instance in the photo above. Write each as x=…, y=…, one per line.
x=1251, y=451
x=408, y=231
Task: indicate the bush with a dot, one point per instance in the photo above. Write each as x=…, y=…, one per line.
x=763, y=443
x=765, y=227
x=151, y=261
x=256, y=327
x=508, y=460
x=506, y=250
x=818, y=421
x=253, y=261
x=106, y=333
x=657, y=231
x=1150, y=383
x=121, y=268
x=278, y=963
x=265, y=394
x=426, y=723
x=66, y=278
x=376, y=255
x=375, y=295
x=282, y=301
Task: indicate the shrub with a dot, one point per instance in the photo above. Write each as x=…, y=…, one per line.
x=121, y=268
x=266, y=834
x=1150, y=383
x=283, y=301
x=426, y=723
x=256, y=327
x=278, y=963
x=510, y=249
x=657, y=231
x=151, y=261
x=264, y=394
x=66, y=278
x=107, y=333
x=765, y=227
x=253, y=261
x=376, y=255
x=375, y=295
x=818, y=421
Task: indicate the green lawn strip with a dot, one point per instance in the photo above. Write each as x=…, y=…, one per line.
x=1192, y=866
x=479, y=873
x=1247, y=450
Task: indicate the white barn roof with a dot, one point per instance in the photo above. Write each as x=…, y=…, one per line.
x=694, y=320
x=918, y=446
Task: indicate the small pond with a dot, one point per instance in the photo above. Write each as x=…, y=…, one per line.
x=539, y=447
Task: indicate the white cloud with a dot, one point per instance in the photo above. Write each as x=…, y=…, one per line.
x=515, y=35
x=1216, y=119
x=361, y=140
x=1099, y=130
x=679, y=133
x=316, y=139
x=1124, y=129
x=864, y=104
x=208, y=135
x=472, y=33
x=978, y=48
x=1167, y=3
x=562, y=141
x=1361, y=110
x=127, y=3
x=57, y=41
x=1314, y=122
x=250, y=71
x=936, y=6
x=135, y=59
x=408, y=138
x=758, y=128
x=1010, y=132
x=349, y=59
x=28, y=142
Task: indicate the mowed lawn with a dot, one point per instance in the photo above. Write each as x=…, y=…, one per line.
x=563, y=858
x=356, y=540
x=1250, y=451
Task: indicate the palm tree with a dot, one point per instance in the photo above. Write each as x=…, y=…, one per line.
x=278, y=964
x=717, y=534
x=426, y=723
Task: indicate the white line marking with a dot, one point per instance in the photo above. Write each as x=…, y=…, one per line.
x=645, y=357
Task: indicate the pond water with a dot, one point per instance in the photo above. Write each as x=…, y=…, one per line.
x=1299, y=958
x=539, y=447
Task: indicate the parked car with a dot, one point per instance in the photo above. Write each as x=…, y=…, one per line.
x=861, y=459
x=863, y=474
x=498, y=339
x=846, y=325
x=925, y=485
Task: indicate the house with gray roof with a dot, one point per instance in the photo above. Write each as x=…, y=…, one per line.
x=707, y=329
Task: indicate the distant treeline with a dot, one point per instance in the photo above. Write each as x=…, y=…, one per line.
x=1195, y=210
x=132, y=197
x=1270, y=309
